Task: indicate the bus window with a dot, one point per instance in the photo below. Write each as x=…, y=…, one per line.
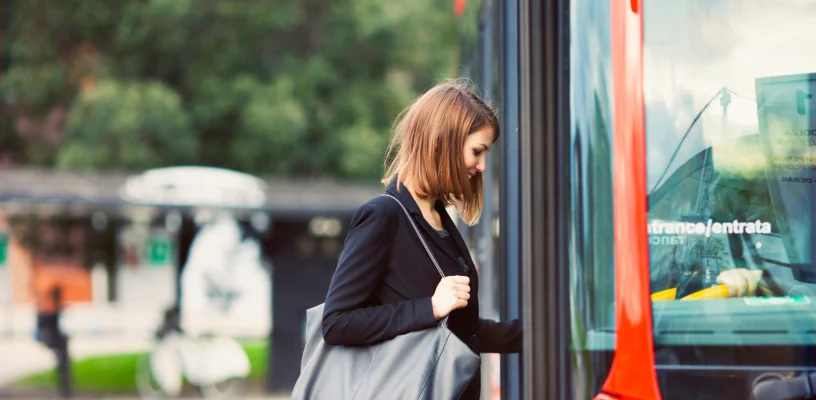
x=730, y=136
x=592, y=278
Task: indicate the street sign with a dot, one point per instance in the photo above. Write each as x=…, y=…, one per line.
x=3, y=249
x=159, y=250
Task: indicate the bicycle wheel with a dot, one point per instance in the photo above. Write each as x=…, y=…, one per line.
x=227, y=369
x=158, y=374
x=230, y=388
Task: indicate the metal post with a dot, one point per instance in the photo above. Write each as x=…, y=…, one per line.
x=487, y=273
x=488, y=269
x=511, y=376
x=544, y=169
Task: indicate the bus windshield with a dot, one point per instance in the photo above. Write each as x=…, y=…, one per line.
x=729, y=90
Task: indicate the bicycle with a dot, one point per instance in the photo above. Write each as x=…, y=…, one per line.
x=217, y=366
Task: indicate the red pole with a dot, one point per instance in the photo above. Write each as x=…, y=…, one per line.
x=633, y=374
x=459, y=7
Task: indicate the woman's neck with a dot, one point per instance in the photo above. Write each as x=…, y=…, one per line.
x=426, y=205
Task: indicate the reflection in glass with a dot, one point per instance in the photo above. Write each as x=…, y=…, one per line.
x=592, y=278
x=730, y=154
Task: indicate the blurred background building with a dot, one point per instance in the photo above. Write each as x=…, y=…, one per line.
x=193, y=164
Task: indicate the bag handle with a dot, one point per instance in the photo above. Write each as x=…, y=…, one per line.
x=411, y=220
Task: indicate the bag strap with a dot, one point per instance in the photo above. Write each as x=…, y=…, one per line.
x=425, y=245
x=444, y=321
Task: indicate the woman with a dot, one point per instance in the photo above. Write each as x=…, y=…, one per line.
x=385, y=284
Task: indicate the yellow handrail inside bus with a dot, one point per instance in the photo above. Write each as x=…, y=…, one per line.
x=716, y=292
x=663, y=295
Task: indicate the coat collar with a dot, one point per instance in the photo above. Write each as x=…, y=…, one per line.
x=404, y=196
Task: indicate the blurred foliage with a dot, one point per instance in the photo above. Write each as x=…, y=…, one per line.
x=137, y=125
x=296, y=88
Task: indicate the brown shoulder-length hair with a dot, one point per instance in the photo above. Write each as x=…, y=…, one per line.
x=429, y=136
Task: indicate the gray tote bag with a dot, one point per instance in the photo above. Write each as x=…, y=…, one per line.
x=430, y=364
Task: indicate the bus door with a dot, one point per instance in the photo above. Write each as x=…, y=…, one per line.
x=724, y=156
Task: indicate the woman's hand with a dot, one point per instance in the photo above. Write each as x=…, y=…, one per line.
x=740, y=281
x=452, y=292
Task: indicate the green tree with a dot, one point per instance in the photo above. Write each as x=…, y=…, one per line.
x=276, y=87
x=132, y=126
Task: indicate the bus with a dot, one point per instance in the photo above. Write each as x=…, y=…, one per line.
x=655, y=191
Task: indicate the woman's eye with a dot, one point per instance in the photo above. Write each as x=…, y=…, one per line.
x=477, y=153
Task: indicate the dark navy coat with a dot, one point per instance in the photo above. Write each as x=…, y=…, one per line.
x=385, y=280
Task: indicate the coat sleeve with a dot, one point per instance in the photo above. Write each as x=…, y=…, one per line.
x=348, y=317
x=500, y=337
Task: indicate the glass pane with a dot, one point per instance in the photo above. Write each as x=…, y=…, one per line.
x=730, y=129
x=592, y=280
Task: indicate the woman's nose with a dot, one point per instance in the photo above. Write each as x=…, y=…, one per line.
x=480, y=166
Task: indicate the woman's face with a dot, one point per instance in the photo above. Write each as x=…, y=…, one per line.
x=477, y=145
